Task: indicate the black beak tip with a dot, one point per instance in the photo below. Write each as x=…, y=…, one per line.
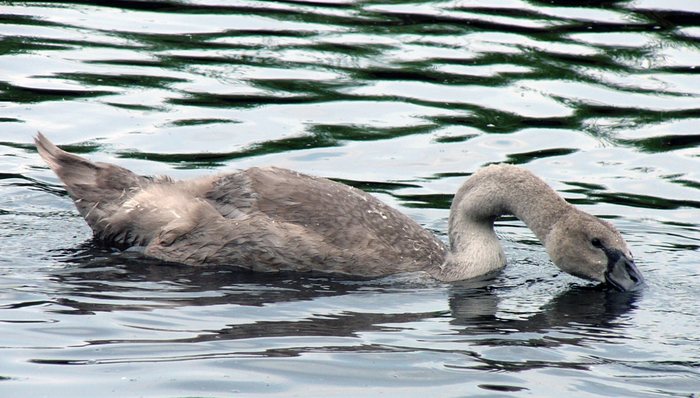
x=623, y=275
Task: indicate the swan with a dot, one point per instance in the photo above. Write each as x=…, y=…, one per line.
x=271, y=219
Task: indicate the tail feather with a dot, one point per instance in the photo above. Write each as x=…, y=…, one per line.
x=98, y=189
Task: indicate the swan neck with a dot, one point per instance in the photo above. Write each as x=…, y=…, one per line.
x=488, y=194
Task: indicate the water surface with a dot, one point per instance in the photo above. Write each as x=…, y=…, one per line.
x=404, y=99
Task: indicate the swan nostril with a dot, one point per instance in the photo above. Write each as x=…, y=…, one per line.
x=633, y=273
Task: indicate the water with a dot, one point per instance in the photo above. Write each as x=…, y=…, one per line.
x=403, y=99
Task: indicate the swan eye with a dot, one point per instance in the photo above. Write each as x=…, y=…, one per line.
x=597, y=243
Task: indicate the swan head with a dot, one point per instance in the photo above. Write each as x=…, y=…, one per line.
x=585, y=246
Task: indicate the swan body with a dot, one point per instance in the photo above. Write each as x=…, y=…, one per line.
x=271, y=219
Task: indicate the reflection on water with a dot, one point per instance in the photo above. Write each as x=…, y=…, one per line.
x=402, y=99
x=106, y=284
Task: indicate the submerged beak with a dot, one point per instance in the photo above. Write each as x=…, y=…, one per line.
x=622, y=274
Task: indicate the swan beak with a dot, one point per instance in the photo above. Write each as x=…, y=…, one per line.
x=622, y=273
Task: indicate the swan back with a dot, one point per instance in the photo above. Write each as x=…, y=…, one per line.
x=353, y=226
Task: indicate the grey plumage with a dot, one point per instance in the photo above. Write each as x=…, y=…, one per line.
x=259, y=218
x=99, y=191
x=272, y=219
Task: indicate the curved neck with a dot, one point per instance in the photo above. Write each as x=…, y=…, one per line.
x=492, y=192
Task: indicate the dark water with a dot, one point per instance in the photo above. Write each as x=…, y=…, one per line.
x=401, y=98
